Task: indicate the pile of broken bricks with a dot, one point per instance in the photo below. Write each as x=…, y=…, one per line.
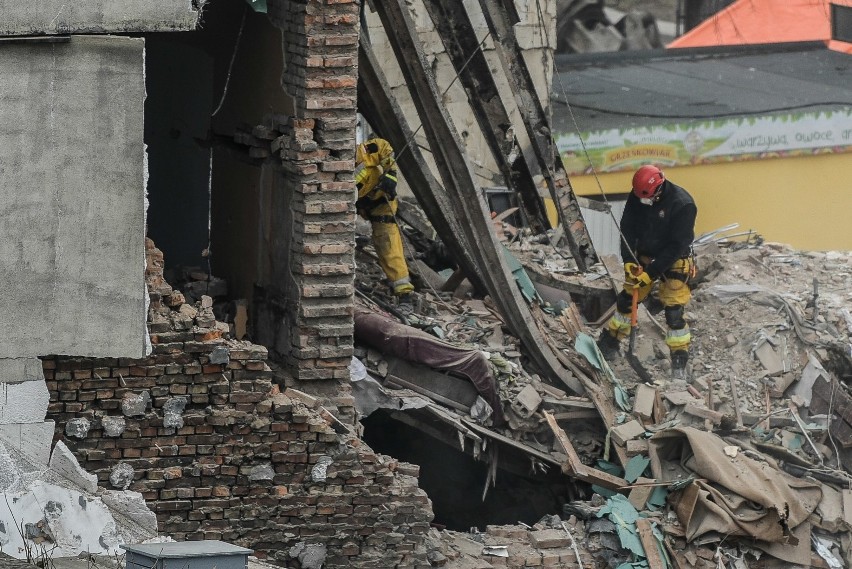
x=767, y=388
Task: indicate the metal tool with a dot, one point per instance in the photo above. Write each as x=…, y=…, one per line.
x=634, y=321
x=631, y=358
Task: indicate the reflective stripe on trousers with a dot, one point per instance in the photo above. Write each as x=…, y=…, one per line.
x=619, y=325
x=678, y=339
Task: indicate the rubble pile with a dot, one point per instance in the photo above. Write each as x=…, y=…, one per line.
x=743, y=464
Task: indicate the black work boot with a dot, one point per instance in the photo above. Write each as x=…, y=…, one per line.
x=608, y=345
x=679, y=360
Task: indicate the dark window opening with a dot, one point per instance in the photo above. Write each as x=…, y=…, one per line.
x=841, y=23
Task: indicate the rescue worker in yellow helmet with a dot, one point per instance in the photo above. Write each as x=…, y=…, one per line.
x=376, y=181
x=658, y=225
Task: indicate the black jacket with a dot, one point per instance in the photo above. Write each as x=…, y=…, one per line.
x=663, y=231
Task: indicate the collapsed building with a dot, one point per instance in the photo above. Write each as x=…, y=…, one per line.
x=243, y=370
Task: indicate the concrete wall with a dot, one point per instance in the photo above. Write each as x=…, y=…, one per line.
x=72, y=169
x=802, y=201
x=95, y=16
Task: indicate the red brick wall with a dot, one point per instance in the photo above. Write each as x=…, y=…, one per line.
x=369, y=511
x=305, y=312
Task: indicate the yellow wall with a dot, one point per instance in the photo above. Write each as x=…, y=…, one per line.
x=804, y=201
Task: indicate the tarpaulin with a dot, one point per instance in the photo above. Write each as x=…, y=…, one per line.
x=730, y=495
x=390, y=337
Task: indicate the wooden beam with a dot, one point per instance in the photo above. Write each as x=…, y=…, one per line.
x=649, y=543
x=462, y=190
x=544, y=457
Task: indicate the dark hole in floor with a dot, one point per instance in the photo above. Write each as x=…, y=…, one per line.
x=454, y=481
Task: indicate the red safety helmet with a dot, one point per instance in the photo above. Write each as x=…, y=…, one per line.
x=647, y=180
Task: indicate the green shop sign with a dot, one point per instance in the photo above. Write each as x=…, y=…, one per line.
x=707, y=142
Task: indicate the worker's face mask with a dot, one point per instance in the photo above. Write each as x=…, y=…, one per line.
x=653, y=199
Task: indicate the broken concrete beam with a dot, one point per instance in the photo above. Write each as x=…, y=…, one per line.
x=296, y=395
x=750, y=419
x=130, y=505
x=830, y=509
x=579, y=415
x=680, y=397
x=639, y=494
x=571, y=402
x=659, y=408
x=781, y=384
x=64, y=463
x=547, y=388
x=334, y=422
x=643, y=404
x=847, y=507
x=770, y=359
x=626, y=432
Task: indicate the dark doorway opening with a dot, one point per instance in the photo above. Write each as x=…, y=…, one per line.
x=206, y=90
x=455, y=481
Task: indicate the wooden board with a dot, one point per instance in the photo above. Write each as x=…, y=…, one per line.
x=649, y=543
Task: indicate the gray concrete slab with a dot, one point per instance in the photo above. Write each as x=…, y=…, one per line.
x=19, y=370
x=72, y=171
x=31, y=440
x=95, y=16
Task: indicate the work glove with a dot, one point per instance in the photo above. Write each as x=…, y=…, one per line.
x=642, y=279
x=637, y=274
x=387, y=183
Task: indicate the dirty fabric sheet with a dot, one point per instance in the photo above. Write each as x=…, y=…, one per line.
x=730, y=495
x=390, y=337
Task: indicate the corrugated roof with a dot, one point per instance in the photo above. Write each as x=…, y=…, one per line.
x=634, y=89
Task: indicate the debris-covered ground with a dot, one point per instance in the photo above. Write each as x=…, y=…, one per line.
x=733, y=467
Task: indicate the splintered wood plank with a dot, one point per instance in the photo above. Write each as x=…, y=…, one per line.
x=575, y=468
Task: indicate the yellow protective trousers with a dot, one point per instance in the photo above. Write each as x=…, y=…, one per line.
x=388, y=243
x=673, y=292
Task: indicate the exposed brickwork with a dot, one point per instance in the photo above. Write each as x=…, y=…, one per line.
x=205, y=480
x=219, y=453
x=311, y=300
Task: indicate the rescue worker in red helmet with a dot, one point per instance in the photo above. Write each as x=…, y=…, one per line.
x=375, y=178
x=658, y=225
